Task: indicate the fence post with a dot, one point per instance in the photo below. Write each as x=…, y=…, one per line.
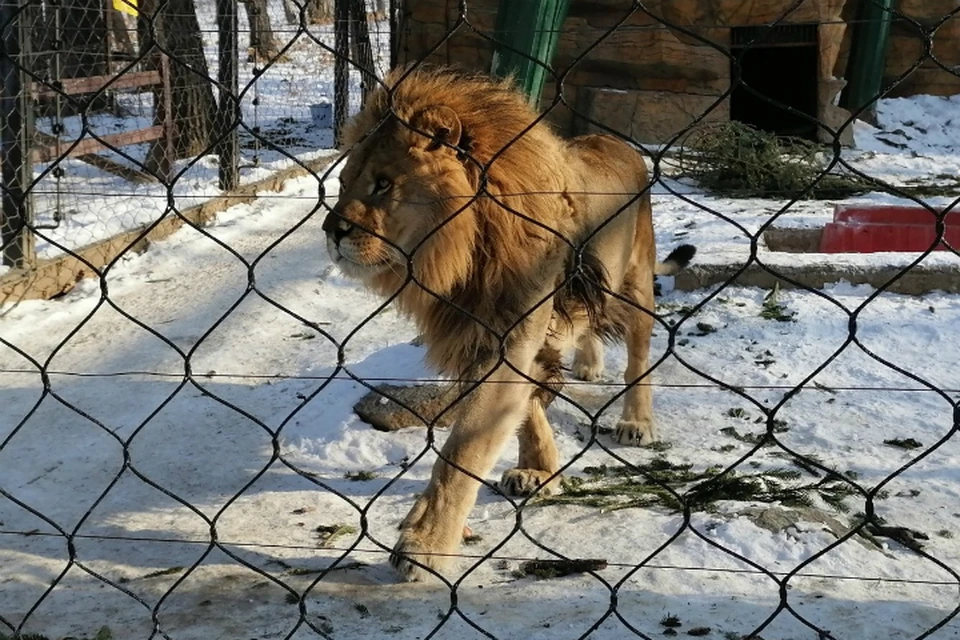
x=229, y=88
x=527, y=33
x=169, y=153
x=341, y=70
x=868, y=55
x=361, y=40
x=16, y=119
x=396, y=24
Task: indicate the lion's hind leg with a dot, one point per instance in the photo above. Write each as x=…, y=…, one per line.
x=636, y=425
x=538, y=460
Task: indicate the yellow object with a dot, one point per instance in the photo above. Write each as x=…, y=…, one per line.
x=127, y=6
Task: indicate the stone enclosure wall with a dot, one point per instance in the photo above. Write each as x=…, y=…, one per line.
x=649, y=81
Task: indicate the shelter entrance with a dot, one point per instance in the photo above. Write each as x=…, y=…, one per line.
x=778, y=64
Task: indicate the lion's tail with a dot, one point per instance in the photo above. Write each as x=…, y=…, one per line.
x=585, y=287
x=677, y=261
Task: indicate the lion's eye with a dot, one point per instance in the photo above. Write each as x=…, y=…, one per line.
x=382, y=185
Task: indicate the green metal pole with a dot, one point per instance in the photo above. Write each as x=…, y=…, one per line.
x=868, y=55
x=527, y=33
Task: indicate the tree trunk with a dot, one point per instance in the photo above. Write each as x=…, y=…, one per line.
x=319, y=11
x=122, y=43
x=363, y=56
x=291, y=11
x=263, y=45
x=70, y=41
x=84, y=39
x=192, y=103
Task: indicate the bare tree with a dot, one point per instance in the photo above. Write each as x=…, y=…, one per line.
x=316, y=11
x=291, y=11
x=120, y=31
x=69, y=39
x=263, y=45
x=362, y=50
x=319, y=11
x=175, y=28
x=84, y=39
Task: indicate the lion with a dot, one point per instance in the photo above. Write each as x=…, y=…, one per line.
x=509, y=246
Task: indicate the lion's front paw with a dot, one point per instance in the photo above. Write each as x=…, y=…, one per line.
x=587, y=371
x=639, y=432
x=524, y=482
x=416, y=561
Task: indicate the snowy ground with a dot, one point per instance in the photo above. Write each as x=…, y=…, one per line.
x=914, y=143
x=137, y=462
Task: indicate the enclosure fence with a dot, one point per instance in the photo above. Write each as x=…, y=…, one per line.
x=120, y=117
x=99, y=126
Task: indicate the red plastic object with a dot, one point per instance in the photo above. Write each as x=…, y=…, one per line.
x=870, y=229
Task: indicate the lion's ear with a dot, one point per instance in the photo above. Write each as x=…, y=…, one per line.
x=441, y=123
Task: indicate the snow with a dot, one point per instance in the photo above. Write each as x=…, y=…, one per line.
x=208, y=384
x=914, y=143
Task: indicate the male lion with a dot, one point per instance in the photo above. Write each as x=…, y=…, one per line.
x=506, y=244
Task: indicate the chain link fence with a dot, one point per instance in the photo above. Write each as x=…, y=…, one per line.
x=180, y=449
x=119, y=107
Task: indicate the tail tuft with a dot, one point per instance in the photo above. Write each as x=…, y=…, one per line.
x=677, y=261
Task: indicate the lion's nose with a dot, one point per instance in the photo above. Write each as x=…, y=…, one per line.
x=336, y=227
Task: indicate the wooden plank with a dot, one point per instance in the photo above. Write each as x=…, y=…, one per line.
x=482, y=14
x=735, y=13
x=560, y=116
x=475, y=54
x=92, y=84
x=907, y=46
x=55, y=276
x=925, y=80
x=578, y=35
x=168, y=154
x=667, y=63
x=16, y=136
x=656, y=76
x=426, y=11
x=603, y=14
x=423, y=37
x=926, y=10
x=106, y=164
x=644, y=116
x=93, y=145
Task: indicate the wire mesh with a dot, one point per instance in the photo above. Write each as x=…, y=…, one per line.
x=179, y=455
x=97, y=113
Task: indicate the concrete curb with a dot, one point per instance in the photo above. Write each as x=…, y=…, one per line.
x=55, y=276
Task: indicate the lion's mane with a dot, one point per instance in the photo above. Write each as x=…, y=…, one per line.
x=472, y=279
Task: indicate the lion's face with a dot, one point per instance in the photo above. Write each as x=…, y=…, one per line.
x=396, y=190
x=382, y=212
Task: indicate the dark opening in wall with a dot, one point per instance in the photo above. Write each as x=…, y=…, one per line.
x=780, y=64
